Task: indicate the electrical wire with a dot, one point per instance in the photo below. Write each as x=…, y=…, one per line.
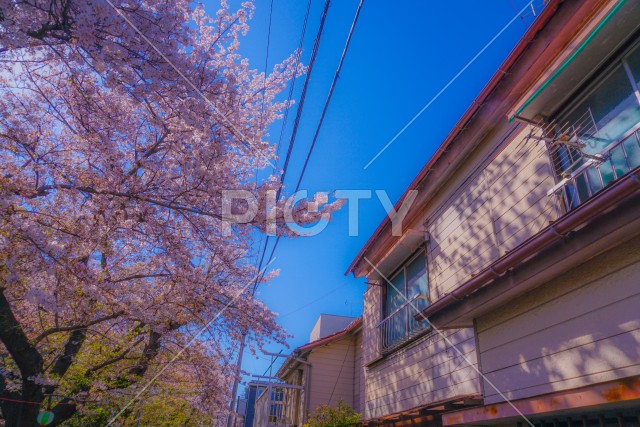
x=314, y=54
x=312, y=60
x=285, y=117
x=302, y=307
x=322, y=116
x=303, y=95
x=266, y=63
x=333, y=86
x=344, y=360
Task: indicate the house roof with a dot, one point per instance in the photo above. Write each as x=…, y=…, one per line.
x=351, y=327
x=304, y=349
x=486, y=100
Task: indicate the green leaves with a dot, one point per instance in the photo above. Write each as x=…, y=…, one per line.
x=340, y=416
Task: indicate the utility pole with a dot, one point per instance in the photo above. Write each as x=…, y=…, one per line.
x=236, y=382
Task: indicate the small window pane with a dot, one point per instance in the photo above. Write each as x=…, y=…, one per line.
x=632, y=147
x=595, y=183
x=606, y=171
x=583, y=188
x=394, y=298
x=607, y=113
x=619, y=161
x=634, y=64
x=417, y=277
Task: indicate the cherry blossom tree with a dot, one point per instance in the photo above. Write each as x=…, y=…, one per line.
x=122, y=123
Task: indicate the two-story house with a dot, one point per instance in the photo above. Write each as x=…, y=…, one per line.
x=513, y=294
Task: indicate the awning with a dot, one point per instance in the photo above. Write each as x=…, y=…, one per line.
x=601, y=40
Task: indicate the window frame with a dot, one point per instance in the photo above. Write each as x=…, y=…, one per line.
x=409, y=334
x=619, y=61
x=403, y=269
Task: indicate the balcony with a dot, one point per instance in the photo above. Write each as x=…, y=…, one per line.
x=595, y=173
x=400, y=326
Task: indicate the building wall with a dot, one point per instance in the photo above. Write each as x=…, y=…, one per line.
x=328, y=324
x=493, y=210
x=489, y=207
x=359, y=378
x=332, y=373
x=371, y=316
x=580, y=329
x=428, y=370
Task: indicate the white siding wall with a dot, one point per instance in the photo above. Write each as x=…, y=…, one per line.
x=332, y=374
x=429, y=370
x=580, y=329
x=495, y=210
x=370, y=319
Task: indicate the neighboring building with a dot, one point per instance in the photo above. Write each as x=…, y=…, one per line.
x=323, y=372
x=246, y=404
x=522, y=247
x=328, y=324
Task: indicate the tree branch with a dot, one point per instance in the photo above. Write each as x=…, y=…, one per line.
x=50, y=331
x=115, y=359
x=151, y=350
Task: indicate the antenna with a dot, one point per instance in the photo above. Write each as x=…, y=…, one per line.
x=568, y=143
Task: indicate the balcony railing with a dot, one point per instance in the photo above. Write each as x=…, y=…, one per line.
x=400, y=326
x=615, y=161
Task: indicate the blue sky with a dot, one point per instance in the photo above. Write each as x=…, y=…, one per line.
x=402, y=54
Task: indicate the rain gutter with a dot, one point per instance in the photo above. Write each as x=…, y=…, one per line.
x=597, y=205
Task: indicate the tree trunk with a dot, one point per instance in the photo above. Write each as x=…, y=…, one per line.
x=30, y=363
x=23, y=414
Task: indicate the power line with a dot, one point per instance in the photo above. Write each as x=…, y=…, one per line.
x=324, y=112
x=293, y=81
x=312, y=60
x=264, y=90
x=303, y=95
x=310, y=302
x=266, y=63
x=333, y=86
x=314, y=54
x=298, y=116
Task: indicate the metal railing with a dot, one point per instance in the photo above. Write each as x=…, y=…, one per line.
x=401, y=326
x=596, y=173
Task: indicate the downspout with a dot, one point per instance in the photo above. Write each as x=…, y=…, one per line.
x=627, y=186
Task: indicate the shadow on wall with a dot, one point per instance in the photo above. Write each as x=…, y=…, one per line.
x=582, y=328
x=498, y=208
x=428, y=370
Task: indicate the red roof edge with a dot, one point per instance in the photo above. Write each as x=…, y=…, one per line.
x=330, y=338
x=351, y=327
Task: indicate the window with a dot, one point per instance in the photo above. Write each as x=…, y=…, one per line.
x=605, y=121
x=405, y=296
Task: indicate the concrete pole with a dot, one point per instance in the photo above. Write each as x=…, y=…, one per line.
x=236, y=382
